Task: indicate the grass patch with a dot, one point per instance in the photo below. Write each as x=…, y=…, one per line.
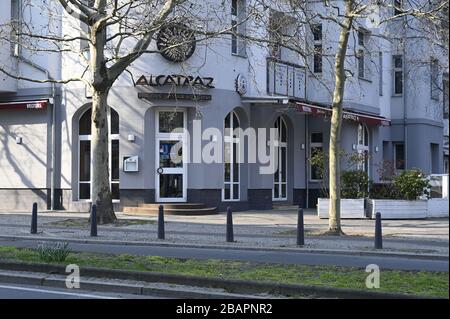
x=84, y=222
x=432, y=284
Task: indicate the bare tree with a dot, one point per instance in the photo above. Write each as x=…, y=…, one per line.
x=118, y=32
x=115, y=33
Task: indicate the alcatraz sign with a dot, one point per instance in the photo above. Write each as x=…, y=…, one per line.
x=175, y=79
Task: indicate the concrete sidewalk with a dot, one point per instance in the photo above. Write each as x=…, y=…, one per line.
x=259, y=229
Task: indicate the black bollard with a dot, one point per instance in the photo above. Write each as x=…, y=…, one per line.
x=300, y=228
x=230, y=236
x=34, y=219
x=161, y=233
x=378, y=233
x=94, y=221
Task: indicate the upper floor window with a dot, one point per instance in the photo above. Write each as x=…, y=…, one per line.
x=434, y=78
x=275, y=35
x=317, y=55
x=238, y=27
x=362, y=54
x=15, y=19
x=317, y=32
x=398, y=74
x=398, y=6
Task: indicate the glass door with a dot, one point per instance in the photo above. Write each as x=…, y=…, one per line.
x=279, y=190
x=170, y=161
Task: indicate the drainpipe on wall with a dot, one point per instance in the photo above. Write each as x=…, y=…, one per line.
x=306, y=159
x=405, y=109
x=53, y=159
x=19, y=57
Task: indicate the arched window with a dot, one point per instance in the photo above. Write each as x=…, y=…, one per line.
x=85, y=161
x=231, y=190
x=279, y=190
x=363, y=148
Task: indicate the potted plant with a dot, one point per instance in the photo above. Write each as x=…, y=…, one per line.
x=401, y=199
x=354, y=190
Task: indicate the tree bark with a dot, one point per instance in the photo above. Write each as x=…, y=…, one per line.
x=101, y=192
x=334, y=222
x=101, y=84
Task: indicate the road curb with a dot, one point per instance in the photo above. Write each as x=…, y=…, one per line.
x=229, y=247
x=232, y=286
x=44, y=280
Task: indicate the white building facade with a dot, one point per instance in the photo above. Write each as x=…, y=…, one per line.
x=393, y=113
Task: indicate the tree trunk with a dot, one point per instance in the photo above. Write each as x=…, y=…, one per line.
x=101, y=193
x=101, y=84
x=334, y=222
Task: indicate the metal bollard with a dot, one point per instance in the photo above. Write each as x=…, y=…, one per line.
x=230, y=236
x=300, y=228
x=34, y=219
x=94, y=221
x=161, y=232
x=378, y=232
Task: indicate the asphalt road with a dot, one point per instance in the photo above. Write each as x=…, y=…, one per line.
x=301, y=258
x=13, y=291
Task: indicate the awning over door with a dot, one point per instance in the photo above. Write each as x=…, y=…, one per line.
x=347, y=115
x=40, y=104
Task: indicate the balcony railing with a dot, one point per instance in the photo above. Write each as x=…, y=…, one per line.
x=286, y=79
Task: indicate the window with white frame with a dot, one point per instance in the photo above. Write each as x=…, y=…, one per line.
x=397, y=61
x=275, y=34
x=317, y=55
x=231, y=189
x=361, y=54
x=315, y=147
x=434, y=78
x=279, y=191
x=85, y=155
x=238, y=27
x=363, y=148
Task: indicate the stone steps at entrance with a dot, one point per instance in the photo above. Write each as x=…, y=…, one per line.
x=174, y=205
x=284, y=206
x=187, y=209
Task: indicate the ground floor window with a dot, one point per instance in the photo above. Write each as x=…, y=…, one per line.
x=231, y=189
x=445, y=164
x=279, y=191
x=315, y=148
x=85, y=160
x=363, y=148
x=399, y=156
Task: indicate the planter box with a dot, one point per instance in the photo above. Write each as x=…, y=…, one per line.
x=350, y=208
x=399, y=209
x=438, y=207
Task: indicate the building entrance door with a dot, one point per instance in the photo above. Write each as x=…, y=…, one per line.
x=170, y=181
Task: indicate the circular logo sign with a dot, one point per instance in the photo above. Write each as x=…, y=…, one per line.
x=241, y=84
x=176, y=42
